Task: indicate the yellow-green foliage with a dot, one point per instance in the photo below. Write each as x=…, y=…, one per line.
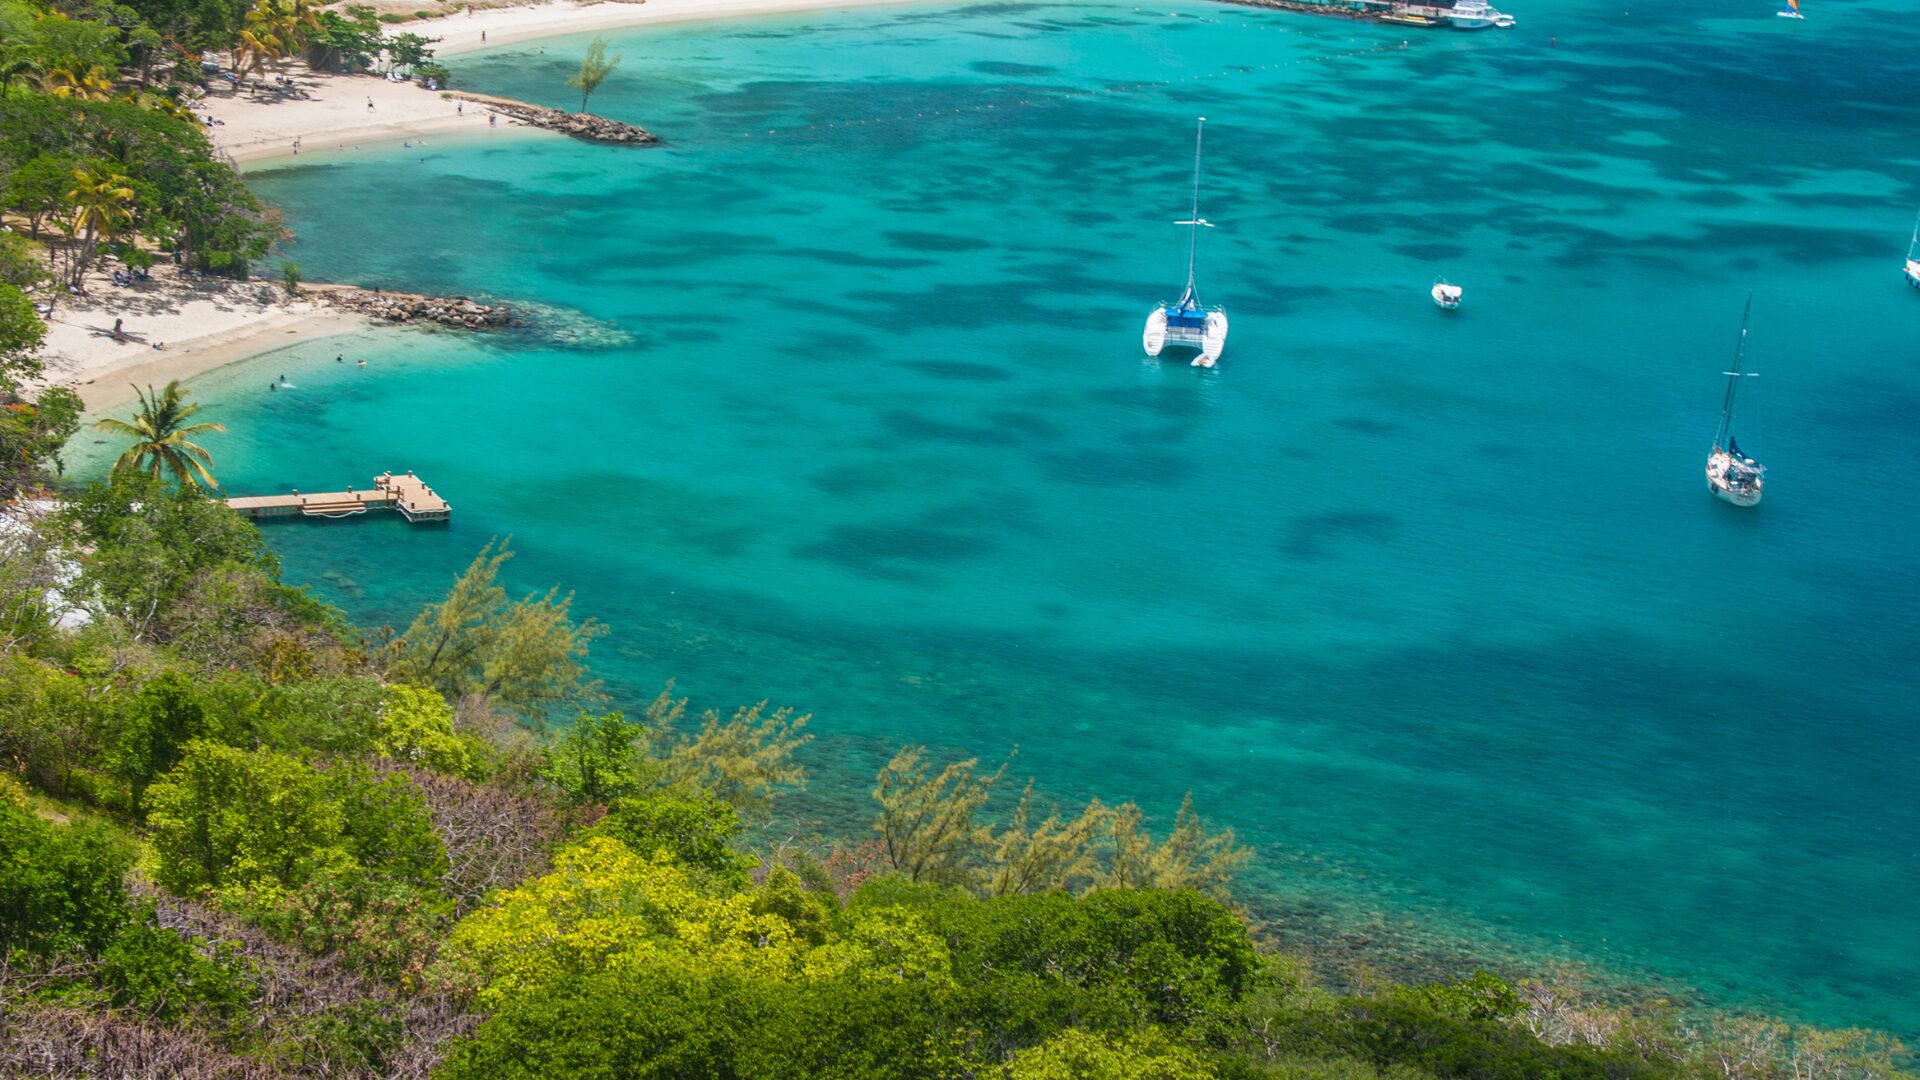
x=416, y=724
x=606, y=909
x=1081, y=1055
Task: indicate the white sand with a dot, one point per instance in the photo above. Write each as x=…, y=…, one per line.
x=202, y=322
x=333, y=114
x=207, y=322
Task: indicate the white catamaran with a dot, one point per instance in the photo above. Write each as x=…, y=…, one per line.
x=1185, y=324
x=1731, y=474
x=1913, y=255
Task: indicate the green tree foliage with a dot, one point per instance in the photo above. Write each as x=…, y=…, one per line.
x=60, y=885
x=159, y=720
x=594, y=69
x=698, y=833
x=384, y=823
x=930, y=831
x=163, y=976
x=33, y=434
x=601, y=758
x=160, y=434
x=524, y=655
x=416, y=725
x=662, y=1023
x=21, y=333
x=744, y=760
x=348, y=39
x=21, y=262
x=927, y=819
x=235, y=819
x=1189, y=857
x=183, y=198
x=1079, y=1055
x=177, y=566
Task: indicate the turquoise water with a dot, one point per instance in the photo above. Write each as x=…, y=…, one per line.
x=1435, y=610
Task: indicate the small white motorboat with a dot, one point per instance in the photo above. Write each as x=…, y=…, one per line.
x=1185, y=323
x=1446, y=294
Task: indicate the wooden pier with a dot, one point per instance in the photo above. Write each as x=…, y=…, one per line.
x=408, y=494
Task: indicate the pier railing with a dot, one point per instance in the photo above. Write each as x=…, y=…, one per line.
x=406, y=493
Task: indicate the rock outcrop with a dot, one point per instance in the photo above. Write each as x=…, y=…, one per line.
x=455, y=311
x=579, y=125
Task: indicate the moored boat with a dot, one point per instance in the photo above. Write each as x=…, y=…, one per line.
x=1732, y=475
x=1477, y=15
x=1913, y=255
x=1446, y=294
x=1186, y=324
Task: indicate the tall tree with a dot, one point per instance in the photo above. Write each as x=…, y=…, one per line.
x=160, y=432
x=523, y=654
x=102, y=204
x=594, y=69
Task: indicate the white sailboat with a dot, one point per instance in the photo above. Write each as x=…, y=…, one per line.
x=1913, y=255
x=1446, y=294
x=1731, y=474
x=1185, y=324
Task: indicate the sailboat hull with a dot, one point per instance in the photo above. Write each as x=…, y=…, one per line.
x=1734, y=496
x=1736, y=484
x=1913, y=273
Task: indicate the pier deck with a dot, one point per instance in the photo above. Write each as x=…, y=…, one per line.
x=408, y=494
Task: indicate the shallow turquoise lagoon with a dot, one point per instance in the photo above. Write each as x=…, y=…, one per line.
x=1435, y=610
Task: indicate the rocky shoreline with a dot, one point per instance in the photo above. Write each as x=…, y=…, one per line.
x=579, y=125
x=454, y=311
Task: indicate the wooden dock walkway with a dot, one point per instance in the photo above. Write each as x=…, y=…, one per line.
x=408, y=494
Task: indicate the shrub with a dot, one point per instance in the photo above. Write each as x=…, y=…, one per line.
x=60, y=885
x=229, y=818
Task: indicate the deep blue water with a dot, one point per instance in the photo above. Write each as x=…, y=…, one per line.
x=1436, y=611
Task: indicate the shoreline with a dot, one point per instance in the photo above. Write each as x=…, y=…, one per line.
x=208, y=323
x=341, y=113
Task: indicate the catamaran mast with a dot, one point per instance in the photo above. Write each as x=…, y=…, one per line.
x=1915, y=242
x=1721, y=437
x=1195, y=221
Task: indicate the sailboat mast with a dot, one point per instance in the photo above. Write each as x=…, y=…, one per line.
x=1915, y=242
x=1721, y=438
x=1193, y=220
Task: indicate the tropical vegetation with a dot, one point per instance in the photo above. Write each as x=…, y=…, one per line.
x=240, y=837
x=160, y=434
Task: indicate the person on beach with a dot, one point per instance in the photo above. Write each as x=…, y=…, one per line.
x=493, y=119
x=460, y=107
x=369, y=104
x=483, y=35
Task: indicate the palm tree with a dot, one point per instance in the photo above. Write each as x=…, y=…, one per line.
x=102, y=205
x=159, y=430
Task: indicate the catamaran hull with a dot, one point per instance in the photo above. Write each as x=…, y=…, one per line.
x=1155, y=337
x=1913, y=273
x=1206, y=341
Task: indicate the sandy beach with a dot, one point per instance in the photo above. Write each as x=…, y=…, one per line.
x=346, y=112
x=204, y=323
x=174, y=327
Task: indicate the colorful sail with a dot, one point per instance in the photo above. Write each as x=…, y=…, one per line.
x=1794, y=5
